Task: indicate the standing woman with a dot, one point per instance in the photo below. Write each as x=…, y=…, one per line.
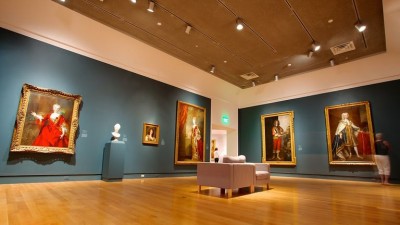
x=382, y=148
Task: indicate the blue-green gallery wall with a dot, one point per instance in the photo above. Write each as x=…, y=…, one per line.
x=110, y=95
x=310, y=130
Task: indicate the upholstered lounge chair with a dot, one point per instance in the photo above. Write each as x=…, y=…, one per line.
x=232, y=173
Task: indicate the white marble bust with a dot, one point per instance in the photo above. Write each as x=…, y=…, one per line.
x=115, y=133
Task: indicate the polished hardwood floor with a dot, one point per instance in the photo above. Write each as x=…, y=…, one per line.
x=176, y=201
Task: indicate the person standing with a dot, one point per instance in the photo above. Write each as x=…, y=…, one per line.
x=216, y=155
x=382, y=148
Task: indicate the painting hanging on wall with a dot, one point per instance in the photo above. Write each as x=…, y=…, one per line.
x=151, y=134
x=349, y=134
x=190, y=134
x=278, y=146
x=46, y=122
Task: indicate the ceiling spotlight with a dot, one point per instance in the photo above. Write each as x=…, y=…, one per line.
x=239, y=24
x=315, y=46
x=310, y=53
x=332, y=62
x=188, y=28
x=360, y=26
x=253, y=83
x=133, y=1
x=212, y=69
x=151, y=6
x=276, y=77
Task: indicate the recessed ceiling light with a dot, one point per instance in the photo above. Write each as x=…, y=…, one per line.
x=289, y=64
x=225, y=61
x=133, y=1
x=159, y=23
x=330, y=21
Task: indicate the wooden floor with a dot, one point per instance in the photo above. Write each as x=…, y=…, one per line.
x=176, y=201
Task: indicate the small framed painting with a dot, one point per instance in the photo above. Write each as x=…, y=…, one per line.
x=46, y=122
x=278, y=146
x=350, y=137
x=151, y=134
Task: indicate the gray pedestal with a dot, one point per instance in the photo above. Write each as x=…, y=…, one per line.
x=113, y=161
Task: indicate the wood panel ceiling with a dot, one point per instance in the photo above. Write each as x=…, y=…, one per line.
x=276, y=38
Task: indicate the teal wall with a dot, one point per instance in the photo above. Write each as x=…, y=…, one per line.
x=110, y=95
x=310, y=131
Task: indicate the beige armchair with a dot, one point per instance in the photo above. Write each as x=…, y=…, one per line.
x=263, y=175
x=226, y=176
x=233, y=173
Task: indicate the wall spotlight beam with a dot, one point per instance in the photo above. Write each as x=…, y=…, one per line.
x=239, y=24
x=332, y=62
x=212, y=70
x=315, y=46
x=188, y=29
x=360, y=26
x=151, y=6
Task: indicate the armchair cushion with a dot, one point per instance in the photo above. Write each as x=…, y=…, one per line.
x=234, y=159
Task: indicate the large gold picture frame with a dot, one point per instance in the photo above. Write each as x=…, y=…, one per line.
x=350, y=136
x=46, y=121
x=190, y=134
x=278, y=146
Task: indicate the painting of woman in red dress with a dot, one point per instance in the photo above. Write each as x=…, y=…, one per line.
x=53, y=129
x=190, y=134
x=47, y=121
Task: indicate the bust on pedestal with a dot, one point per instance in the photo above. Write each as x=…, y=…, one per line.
x=115, y=134
x=114, y=157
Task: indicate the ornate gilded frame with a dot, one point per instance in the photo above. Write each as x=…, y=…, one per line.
x=342, y=152
x=41, y=101
x=284, y=153
x=190, y=134
x=155, y=138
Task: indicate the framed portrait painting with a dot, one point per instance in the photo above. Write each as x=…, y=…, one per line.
x=190, y=134
x=151, y=134
x=46, y=122
x=349, y=133
x=278, y=146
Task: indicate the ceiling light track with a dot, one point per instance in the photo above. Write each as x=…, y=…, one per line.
x=161, y=7
x=301, y=22
x=359, y=22
x=244, y=24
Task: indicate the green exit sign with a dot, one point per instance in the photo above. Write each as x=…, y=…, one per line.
x=225, y=119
